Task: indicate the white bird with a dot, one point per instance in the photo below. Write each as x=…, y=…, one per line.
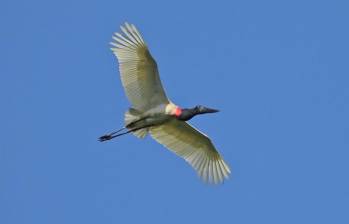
x=152, y=112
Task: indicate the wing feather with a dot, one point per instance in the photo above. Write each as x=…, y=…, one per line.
x=138, y=70
x=193, y=146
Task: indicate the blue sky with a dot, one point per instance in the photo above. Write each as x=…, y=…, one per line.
x=277, y=70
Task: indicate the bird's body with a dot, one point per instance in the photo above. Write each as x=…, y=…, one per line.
x=152, y=112
x=143, y=120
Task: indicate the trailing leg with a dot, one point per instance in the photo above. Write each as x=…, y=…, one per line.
x=115, y=134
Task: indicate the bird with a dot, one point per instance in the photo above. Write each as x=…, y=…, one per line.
x=152, y=112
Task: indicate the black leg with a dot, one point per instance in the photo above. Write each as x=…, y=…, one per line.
x=109, y=136
x=114, y=135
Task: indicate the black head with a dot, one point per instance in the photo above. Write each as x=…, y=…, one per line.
x=187, y=114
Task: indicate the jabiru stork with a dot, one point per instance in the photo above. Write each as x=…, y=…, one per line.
x=152, y=112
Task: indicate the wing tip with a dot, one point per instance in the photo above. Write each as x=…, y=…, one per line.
x=214, y=172
x=129, y=39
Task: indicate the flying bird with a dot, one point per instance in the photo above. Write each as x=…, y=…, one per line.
x=152, y=112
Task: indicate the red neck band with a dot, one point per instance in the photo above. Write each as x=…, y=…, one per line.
x=178, y=111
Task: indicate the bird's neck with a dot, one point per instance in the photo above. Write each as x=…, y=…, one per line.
x=187, y=114
x=178, y=111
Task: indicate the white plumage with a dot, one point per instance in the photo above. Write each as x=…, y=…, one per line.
x=140, y=78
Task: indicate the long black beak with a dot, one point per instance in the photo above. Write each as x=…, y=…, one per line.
x=205, y=110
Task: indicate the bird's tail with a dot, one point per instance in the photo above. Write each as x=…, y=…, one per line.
x=132, y=118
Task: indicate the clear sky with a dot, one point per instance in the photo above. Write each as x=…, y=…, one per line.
x=277, y=70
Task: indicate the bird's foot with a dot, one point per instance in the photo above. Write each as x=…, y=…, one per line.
x=105, y=138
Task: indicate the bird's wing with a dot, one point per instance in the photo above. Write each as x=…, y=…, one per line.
x=193, y=146
x=138, y=69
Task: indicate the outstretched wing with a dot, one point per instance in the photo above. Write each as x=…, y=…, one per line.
x=193, y=146
x=138, y=70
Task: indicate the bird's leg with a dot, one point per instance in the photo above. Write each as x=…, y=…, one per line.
x=114, y=134
x=121, y=129
x=128, y=126
x=109, y=136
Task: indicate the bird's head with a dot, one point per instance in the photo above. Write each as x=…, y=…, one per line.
x=187, y=114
